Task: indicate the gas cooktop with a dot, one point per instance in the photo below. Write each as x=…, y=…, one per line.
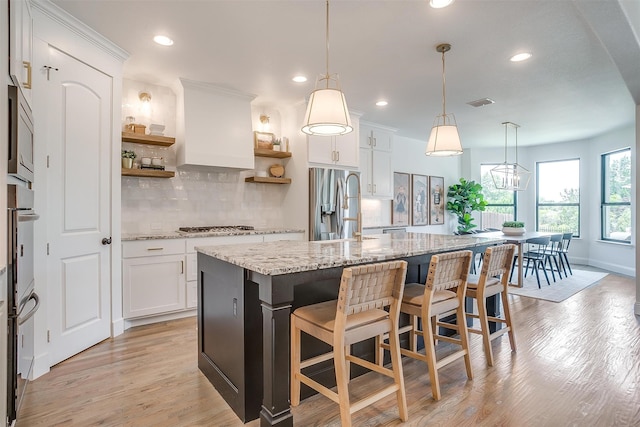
x=213, y=228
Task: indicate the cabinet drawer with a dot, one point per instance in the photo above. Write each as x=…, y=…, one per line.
x=221, y=240
x=140, y=248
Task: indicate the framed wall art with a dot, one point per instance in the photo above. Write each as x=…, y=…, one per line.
x=401, y=204
x=263, y=140
x=419, y=200
x=437, y=200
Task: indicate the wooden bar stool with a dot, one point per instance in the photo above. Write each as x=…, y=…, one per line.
x=358, y=314
x=443, y=292
x=493, y=280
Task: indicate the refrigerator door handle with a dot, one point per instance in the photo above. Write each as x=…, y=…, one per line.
x=33, y=296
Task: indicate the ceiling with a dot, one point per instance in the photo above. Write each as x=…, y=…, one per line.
x=579, y=83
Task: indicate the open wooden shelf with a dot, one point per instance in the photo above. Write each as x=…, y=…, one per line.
x=138, y=138
x=268, y=180
x=148, y=173
x=265, y=152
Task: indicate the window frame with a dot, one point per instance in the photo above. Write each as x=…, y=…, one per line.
x=538, y=204
x=604, y=204
x=515, y=195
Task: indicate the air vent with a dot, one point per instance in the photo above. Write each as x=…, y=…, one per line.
x=481, y=102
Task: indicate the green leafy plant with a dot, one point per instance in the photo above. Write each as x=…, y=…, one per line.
x=128, y=154
x=513, y=224
x=463, y=199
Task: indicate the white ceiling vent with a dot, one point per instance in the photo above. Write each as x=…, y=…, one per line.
x=481, y=102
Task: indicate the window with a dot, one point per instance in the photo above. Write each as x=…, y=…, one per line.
x=558, y=196
x=501, y=204
x=616, y=196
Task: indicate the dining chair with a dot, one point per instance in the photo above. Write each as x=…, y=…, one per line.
x=493, y=280
x=443, y=292
x=535, y=252
x=357, y=315
x=566, y=242
x=553, y=255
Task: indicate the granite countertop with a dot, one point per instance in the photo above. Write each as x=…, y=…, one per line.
x=274, y=258
x=182, y=234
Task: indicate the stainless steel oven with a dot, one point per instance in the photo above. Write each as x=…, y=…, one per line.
x=20, y=136
x=22, y=299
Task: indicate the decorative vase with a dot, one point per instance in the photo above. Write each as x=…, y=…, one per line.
x=513, y=231
x=127, y=163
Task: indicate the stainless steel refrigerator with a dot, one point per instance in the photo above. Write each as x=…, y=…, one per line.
x=327, y=213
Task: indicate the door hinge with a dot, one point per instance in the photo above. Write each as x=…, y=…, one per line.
x=47, y=249
x=22, y=341
x=48, y=335
x=47, y=161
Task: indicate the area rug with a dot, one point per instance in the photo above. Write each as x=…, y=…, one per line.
x=561, y=289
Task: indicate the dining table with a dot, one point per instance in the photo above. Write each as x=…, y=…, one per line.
x=518, y=240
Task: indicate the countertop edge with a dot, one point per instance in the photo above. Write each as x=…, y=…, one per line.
x=182, y=235
x=249, y=260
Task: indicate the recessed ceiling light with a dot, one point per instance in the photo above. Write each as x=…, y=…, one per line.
x=163, y=40
x=439, y=4
x=381, y=103
x=520, y=57
x=299, y=79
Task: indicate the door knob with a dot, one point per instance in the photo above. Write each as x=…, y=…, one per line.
x=106, y=241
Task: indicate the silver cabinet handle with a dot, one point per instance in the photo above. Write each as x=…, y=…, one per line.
x=374, y=142
x=155, y=249
x=181, y=267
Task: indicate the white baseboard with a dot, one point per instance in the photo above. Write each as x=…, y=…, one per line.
x=117, y=327
x=40, y=366
x=130, y=323
x=615, y=268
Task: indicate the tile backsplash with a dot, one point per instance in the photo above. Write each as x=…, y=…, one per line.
x=199, y=198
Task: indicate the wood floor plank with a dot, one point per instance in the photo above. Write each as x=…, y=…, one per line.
x=578, y=363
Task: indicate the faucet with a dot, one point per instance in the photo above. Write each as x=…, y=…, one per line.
x=358, y=233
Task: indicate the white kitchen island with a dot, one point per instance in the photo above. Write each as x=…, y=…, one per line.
x=247, y=292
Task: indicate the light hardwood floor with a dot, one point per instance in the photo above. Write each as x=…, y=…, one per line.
x=578, y=363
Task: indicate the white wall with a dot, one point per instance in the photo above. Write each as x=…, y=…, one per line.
x=197, y=197
x=602, y=253
x=408, y=157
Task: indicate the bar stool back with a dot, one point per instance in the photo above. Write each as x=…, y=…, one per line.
x=358, y=314
x=443, y=292
x=493, y=280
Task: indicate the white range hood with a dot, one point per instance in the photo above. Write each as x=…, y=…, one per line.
x=213, y=126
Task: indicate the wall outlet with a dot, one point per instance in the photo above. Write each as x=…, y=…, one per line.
x=156, y=226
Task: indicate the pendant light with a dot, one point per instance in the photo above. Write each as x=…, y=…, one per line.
x=327, y=112
x=510, y=176
x=444, y=139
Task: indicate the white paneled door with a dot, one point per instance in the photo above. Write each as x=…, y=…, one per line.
x=78, y=188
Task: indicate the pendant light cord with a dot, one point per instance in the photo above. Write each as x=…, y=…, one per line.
x=327, y=32
x=444, y=97
x=505, y=142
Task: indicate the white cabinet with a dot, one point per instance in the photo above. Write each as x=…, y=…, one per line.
x=341, y=150
x=153, y=277
x=376, y=137
x=376, y=174
x=160, y=276
x=213, y=126
x=21, y=45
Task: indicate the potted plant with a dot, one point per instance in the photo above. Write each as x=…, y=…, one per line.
x=127, y=158
x=463, y=199
x=513, y=228
x=276, y=145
